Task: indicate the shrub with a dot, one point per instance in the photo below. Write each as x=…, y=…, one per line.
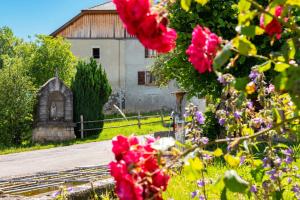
x=91, y=91
x=17, y=97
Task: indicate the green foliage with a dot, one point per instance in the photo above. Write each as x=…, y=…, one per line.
x=8, y=42
x=17, y=97
x=43, y=56
x=234, y=182
x=91, y=91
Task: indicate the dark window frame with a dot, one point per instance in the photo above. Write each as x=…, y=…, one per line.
x=96, y=52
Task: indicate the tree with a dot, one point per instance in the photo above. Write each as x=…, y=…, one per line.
x=91, y=91
x=8, y=43
x=17, y=98
x=43, y=56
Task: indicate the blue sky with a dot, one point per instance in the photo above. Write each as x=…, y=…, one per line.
x=30, y=17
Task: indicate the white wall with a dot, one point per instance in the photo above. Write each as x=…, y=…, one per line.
x=141, y=97
x=122, y=59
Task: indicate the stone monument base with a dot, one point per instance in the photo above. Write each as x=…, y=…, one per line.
x=53, y=133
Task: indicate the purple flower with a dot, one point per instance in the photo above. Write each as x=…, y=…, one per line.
x=185, y=115
x=242, y=159
x=237, y=115
x=278, y=161
x=56, y=193
x=222, y=80
x=222, y=121
x=70, y=189
x=296, y=188
x=200, y=117
x=250, y=104
x=288, y=152
x=207, y=157
x=201, y=197
x=194, y=194
x=200, y=183
x=204, y=140
x=253, y=75
x=253, y=189
x=266, y=162
x=271, y=88
x=288, y=160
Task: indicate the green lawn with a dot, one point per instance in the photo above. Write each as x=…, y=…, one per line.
x=106, y=134
x=180, y=187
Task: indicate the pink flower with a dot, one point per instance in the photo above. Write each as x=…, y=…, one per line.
x=136, y=170
x=132, y=12
x=150, y=29
x=161, y=180
x=274, y=27
x=203, y=49
x=127, y=189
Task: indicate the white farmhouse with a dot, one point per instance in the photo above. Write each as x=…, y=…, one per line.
x=99, y=33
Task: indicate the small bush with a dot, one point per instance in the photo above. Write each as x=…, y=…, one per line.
x=17, y=97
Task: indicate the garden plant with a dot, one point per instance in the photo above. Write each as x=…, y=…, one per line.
x=259, y=111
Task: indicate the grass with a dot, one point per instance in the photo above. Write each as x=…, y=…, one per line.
x=180, y=187
x=106, y=134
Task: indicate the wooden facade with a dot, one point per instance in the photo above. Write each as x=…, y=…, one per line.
x=94, y=24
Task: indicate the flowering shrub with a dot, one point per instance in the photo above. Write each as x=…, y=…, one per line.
x=259, y=115
x=203, y=49
x=137, y=169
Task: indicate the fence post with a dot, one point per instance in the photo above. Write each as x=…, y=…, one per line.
x=81, y=126
x=139, y=119
x=162, y=117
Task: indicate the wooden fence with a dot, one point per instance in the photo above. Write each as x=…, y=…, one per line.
x=138, y=118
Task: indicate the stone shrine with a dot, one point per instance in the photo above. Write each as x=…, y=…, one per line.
x=54, y=116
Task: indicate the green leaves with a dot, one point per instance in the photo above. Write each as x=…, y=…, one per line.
x=222, y=57
x=265, y=66
x=258, y=174
x=193, y=168
x=244, y=46
x=218, y=152
x=232, y=160
x=202, y=2
x=163, y=144
x=244, y=6
x=234, y=182
x=185, y=4
x=251, y=30
x=280, y=67
x=293, y=2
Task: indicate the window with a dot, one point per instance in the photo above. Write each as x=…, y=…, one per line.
x=149, y=53
x=96, y=53
x=146, y=78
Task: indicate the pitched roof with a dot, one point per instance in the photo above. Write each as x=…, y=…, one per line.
x=104, y=6
x=108, y=7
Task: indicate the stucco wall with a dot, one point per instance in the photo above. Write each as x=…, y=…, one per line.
x=122, y=59
x=141, y=97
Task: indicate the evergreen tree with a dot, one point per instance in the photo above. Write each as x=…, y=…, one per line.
x=91, y=91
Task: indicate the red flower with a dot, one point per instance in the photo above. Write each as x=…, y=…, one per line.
x=132, y=12
x=274, y=27
x=146, y=25
x=122, y=144
x=127, y=189
x=203, y=49
x=161, y=180
x=136, y=170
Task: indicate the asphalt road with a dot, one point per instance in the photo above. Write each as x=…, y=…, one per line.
x=55, y=159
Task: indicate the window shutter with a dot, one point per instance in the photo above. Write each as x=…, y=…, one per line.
x=141, y=78
x=146, y=53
